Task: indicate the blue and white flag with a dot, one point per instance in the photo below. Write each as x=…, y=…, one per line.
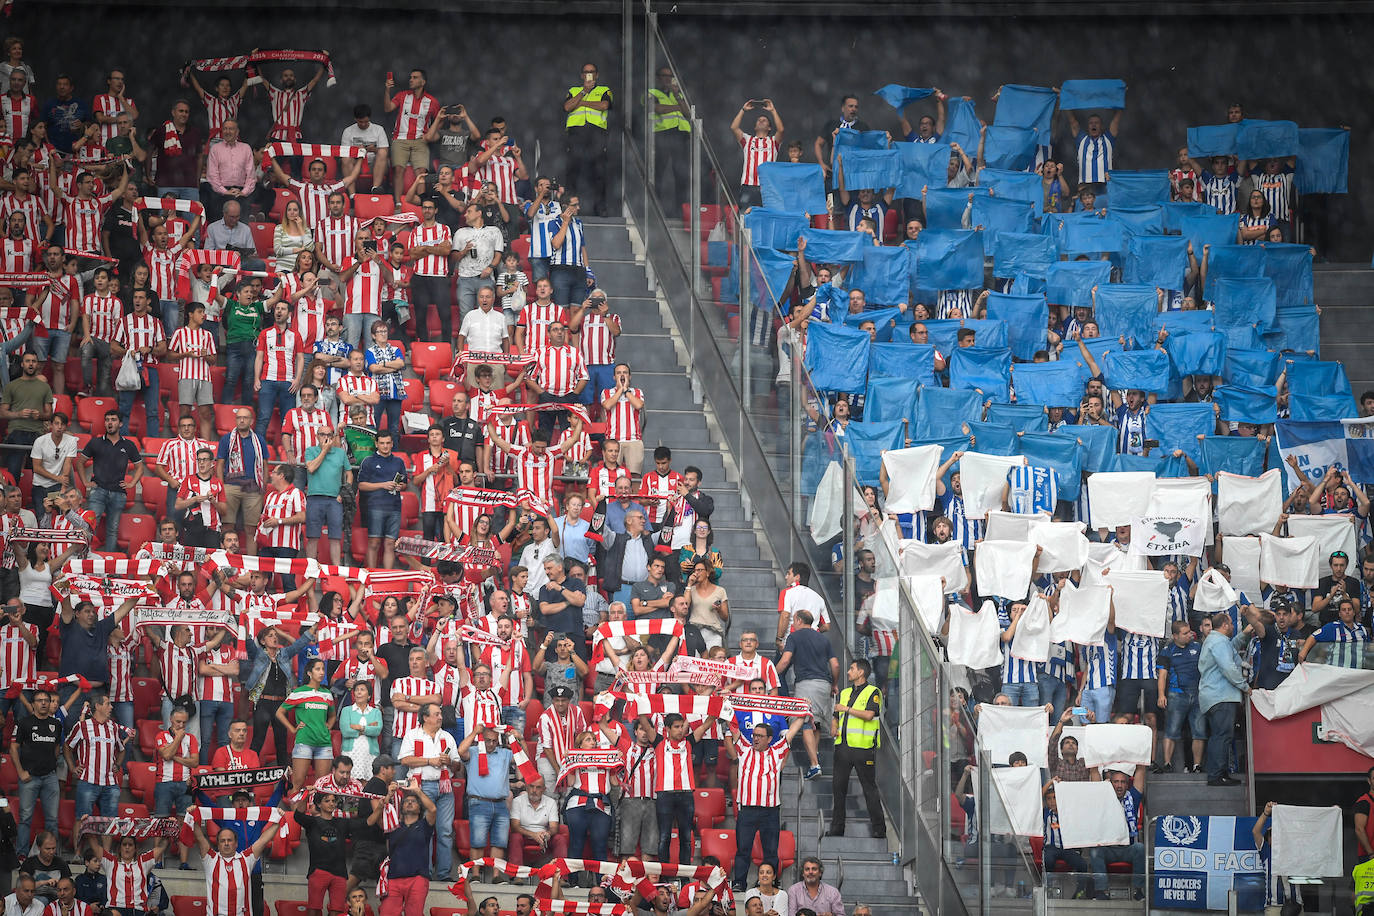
x=1200, y=860
x=1344, y=444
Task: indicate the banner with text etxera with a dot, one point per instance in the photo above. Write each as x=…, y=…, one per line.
x=1198, y=860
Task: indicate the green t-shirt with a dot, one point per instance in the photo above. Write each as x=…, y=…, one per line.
x=361, y=442
x=312, y=707
x=28, y=394
x=242, y=322
x=327, y=480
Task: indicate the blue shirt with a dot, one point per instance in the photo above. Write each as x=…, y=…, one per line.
x=86, y=652
x=247, y=832
x=496, y=784
x=1181, y=663
x=409, y=845
x=382, y=469
x=1220, y=677
x=327, y=479
x=250, y=458
x=338, y=347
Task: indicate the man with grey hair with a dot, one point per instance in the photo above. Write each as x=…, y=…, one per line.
x=627, y=556
x=814, y=894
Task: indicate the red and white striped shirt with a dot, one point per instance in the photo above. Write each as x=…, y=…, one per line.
x=464, y=516
x=535, y=319
x=21, y=112
x=79, y=908
x=759, y=772
x=557, y=734
x=178, y=455
x=757, y=151
x=314, y=200
x=288, y=105
x=121, y=686
x=193, y=368
x=358, y=385
x=279, y=349
x=82, y=218
x=500, y=171
x=178, y=667
x=58, y=307
x=218, y=110
x=581, y=449
x=409, y=687
x=303, y=426
x=512, y=657
x=559, y=369
x=162, y=268
x=34, y=208
x=479, y=707
x=624, y=420
x=759, y=667
x=128, y=881
x=97, y=744
x=673, y=766
x=364, y=293
x=355, y=670
x=597, y=341
x=281, y=505
x=170, y=770
x=103, y=313
x=397, y=289
x=430, y=265
x=413, y=114
x=534, y=472
x=447, y=678
x=602, y=479
x=111, y=105
x=216, y=687
x=227, y=883
x=431, y=500
x=639, y=776
x=20, y=662
x=19, y=256
x=479, y=408
x=310, y=315
x=335, y=235
x=210, y=491
x=136, y=331
x=594, y=782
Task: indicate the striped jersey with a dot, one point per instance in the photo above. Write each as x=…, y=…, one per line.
x=1100, y=663
x=303, y=426
x=479, y=707
x=334, y=237
x=1059, y=663
x=1033, y=489
x=534, y=472
x=96, y=744
x=559, y=369
x=759, y=773
x=314, y=201
x=288, y=105
x=410, y=687
x=19, y=658
x=209, y=492
x=757, y=151
x=557, y=734
x=640, y=771
x=623, y=420
x=170, y=770
x=281, y=505
x=1178, y=602
x=1347, y=643
x=103, y=314
x=363, y=295
x=177, y=667
x=1277, y=190
x=541, y=228
x=601, y=479
x=500, y=171
x=58, y=306
x=1094, y=156
x=81, y=218
x=413, y=114
x=431, y=265
x=216, y=687
x=136, y=331
x=1219, y=191
x=569, y=254
x=596, y=338
x=227, y=883
x=22, y=112
x=311, y=312
x=592, y=785
x=162, y=270
x=1138, y=656
x=193, y=368
x=34, y=209
x=218, y=110
x=431, y=499
x=673, y=766
x=511, y=658
x=1014, y=670
x=967, y=531
x=280, y=350
x=535, y=319
x=127, y=881
x=178, y=455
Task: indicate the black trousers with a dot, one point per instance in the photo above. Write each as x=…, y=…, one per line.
x=674, y=808
x=265, y=717
x=586, y=149
x=862, y=762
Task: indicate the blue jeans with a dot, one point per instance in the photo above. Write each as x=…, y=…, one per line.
x=288, y=580
x=109, y=503
x=273, y=395
x=124, y=713
x=1098, y=701
x=390, y=410
x=106, y=798
x=586, y=823
x=46, y=789
x=488, y=824
x=754, y=820
x=1183, y=707
x=539, y=269
x=152, y=404
x=1023, y=694
x=357, y=329
x=215, y=716
x=569, y=284
x=443, y=827
x=1221, y=735
x=599, y=378
x=1101, y=855
x=238, y=371
x=171, y=316
x=467, y=292
x=513, y=716
x=170, y=798
x=673, y=809
x=1054, y=691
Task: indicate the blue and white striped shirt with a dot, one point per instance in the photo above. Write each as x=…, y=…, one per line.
x=570, y=254
x=541, y=233
x=1276, y=189
x=1060, y=664
x=1178, y=602
x=857, y=211
x=1138, y=656
x=1347, y=650
x=949, y=298
x=1094, y=156
x=1014, y=670
x=967, y=531
x=1219, y=191
x=1100, y=663
x=913, y=524
x=1034, y=489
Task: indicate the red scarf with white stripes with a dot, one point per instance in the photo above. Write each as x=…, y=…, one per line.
x=246, y=61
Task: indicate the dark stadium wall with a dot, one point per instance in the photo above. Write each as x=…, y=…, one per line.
x=1180, y=71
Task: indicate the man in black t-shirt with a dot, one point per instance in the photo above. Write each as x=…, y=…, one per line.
x=34, y=750
x=1330, y=589
x=462, y=433
x=849, y=117
x=396, y=654
x=369, y=839
x=327, y=836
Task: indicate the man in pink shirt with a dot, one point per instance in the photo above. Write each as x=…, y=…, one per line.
x=229, y=170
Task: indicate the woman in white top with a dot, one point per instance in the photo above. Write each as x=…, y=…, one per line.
x=774, y=898
x=35, y=588
x=616, y=647
x=290, y=238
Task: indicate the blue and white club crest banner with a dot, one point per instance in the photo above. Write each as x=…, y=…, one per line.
x=1198, y=860
x=1316, y=446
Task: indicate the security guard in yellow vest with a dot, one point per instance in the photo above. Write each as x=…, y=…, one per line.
x=1363, y=876
x=672, y=132
x=857, y=714
x=588, y=107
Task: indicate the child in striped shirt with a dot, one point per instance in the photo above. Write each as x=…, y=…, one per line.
x=511, y=283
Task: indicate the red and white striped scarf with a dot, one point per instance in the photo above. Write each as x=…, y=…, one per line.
x=535, y=502
x=199, y=814
x=692, y=706
x=668, y=677
x=102, y=592
x=636, y=628
x=398, y=219
x=314, y=151
x=500, y=410
x=174, y=203
x=140, y=828
x=48, y=685
x=36, y=278
x=723, y=670
x=482, y=637
x=111, y=566
x=189, y=617
x=495, y=358
x=171, y=140
x=478, y=498
x=245, y=62
x=791, y=707
x=573, y=761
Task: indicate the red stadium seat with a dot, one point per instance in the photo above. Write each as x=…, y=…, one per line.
x=90, y=413
x=710, y=809
x=820, y=221
x=532, y=714
x=262, y=238
x=147, y=698
x=291, y=907
x=66, y=817
x=410, y=507
x=787, y=849
x=224, y=417
x=187, y=905
x=279, y=204
x=148, y=730
x=142, y=779
x=368, y=207
x=9, y=777
x=431, y=360
x=441, y=397
x=462, y=836
x=62, y=403
x=448, y=911
x=890, y=226
x=132, y=809
x=718, y=843
x=155, y=494
x=135, y=531
x=415, y=396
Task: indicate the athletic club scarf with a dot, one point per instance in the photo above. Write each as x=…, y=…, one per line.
x=245, y=62
x=179, y=554
x=575, y=761
x=313, y=151
x=38, y=278
x=398, y=219
x=634, y=628
x=189, y=617
x=528, y=771
x=434, y=550
x=102, y=591
x=234, y=469
x=49, y=536
x=291, y=622
x=48, y=685
x=691, y=706
x=478, y=498
x=495, y=358
x=501, y=410
x=668, y=677
x=534, y=501
x=625, y=876
x=140, y=828
x=171, y=139
x=221, y=780
x=110, y=566
x=170, y=203
x=199, y=814
x=723, y=670
x=482, y=637
x=791, y=707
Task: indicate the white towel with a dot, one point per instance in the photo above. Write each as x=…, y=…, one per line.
x=1010, y=526
x=1214, y=593
x=982, y=479
x=885, y=549
x=921, y=559
x=886, y=602
x=1090, y=814
x=1003, y=730
x=1141, y=599
x=911, y=478
x=929, y=599
x=1190, y=497
x=1004, y=568
x=1333, y=533
x=1307, y=842
x=1106, y=744
x=1032, y=638
x=1016, y=806
x=1295, y=562
x=827, y=505
x=1249, y=505
x=1065, y=547
x=1243, y=556
x=1107, y=555
x=1116, y=497
x=974, y=637
x=1082, y=616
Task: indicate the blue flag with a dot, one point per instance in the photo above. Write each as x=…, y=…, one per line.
x=1298, y=329
x=1099, y=444
x=1246, y=404
x=1136, y=463
x=871, y=168
x=1234, y=454
x=1127, y=310
x=795, y=187
x=1138, y=220
x=961, y=124
x=1246, y=338
x=1176, y=210
x=1237, y=302
x=835, y=246
x=1056, y=384
x=1177, y=426
x=1233, y=261
x=1317, y=376
x=901, y=96
x=1197, y=352
x=1011, y=185
x=989, y=332
x=1323, y=160
x=923, y=165
x=997, y=215
x=943, y=332
x=1214, y=229
x=1266, y=139
x=837, y=357
x=769, y=272
x=1024, y=418
x=1083, y=95
x=867, y=442
x=942, y=412
x=1101, y=349
x=884, y=275
x=774, y=229
x=1156, y=260
x=1212, y=140
x=1145, y=370
x=1071, y=282
x=883, y=321
x=1026, y=318
x=847, y=138
x=1184, y=321
x=1138, y=188
x=1006, y=147
x=1023, y=254
x=1311, y=408
x=945, y=206
x=992, y=438
x=902, y=360
x=984, y=369
x=1290, y=267
x=1252, y=368
x=949, y=259
x=890, y=398
x=1025, y=106
x=1061, y=454
x=1091, y=235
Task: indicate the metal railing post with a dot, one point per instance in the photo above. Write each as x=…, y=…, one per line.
x=984, y=835
x=694, y=239
x=746, y=247
x=627, y=47
x=650, y=47
x=795, y=436
x=847, y=563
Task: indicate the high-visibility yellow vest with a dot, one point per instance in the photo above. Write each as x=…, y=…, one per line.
x=1364, y=881
x=668, y=120
x=585, y=115
x=854, y=731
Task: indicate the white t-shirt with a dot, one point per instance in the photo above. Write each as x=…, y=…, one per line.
x=533, y=817
x=52, y=455
x=374, y=135
x=484, y=331
x=804, y=598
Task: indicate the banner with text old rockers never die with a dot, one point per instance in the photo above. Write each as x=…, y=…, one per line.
x=1198, y=860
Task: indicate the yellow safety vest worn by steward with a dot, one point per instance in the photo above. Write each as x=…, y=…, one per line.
x=1364, y=882
x=853, y=731
x=668, y=120
x=585, y=115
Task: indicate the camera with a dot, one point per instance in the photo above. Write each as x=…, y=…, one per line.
x=370, y=247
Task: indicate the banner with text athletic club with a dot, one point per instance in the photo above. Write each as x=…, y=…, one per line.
x=1198, y=860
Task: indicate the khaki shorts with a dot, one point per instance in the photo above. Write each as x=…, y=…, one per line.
x=632, y=455
x=194, y=392
x=251, y=503
x=413, y=153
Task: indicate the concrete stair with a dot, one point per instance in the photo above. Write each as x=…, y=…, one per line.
x=1188, y=793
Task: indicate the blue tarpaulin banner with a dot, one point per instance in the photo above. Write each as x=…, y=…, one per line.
x=1237, y=302
x=949, y=259
x=883, y=320
x=992, y=438
x=1090, y=235
x=1156, y=260
x=1099, y=444
x=1129, y=188
x=989, y=332
x=1191, y=320
x=1233, y=261
x=1323, y=160
x=985, y=369
x=942, y=412
x=884, y=275
x=1197, y=352
x=1214, y=229
x=775, y=229
x=1100, y=348
x=1060, y=454
x=846, y=138
x=1007, y=147
x=1023, y=254
x=1200, y=860
x=1127, y=310
x=1148, y=220
x=1011, y=185
x=945, y=207
x=837, y=358
x=1026, y=318
x=997, y=215
x=1318, y=376
x=1146, y=370
x=1026, y=106
x=1246, y=403
x=1071, y=282
x=1290, y=267
x=1024, y=418
x=1266, y=139
x=867, y=442
x=1298, y=329
x=901, y=96
x=1082, y=95
x=1234, y=454
x=890, y=399
x=834, y=246
x=1311, y=408
x=961, y=124
x=1212, y=140
x=797, y=187
x=1176, y=210
x=769, y=271
x=1056, y=384
x=1246, y=338
x=1254, y=368
x=1177, y=426
x=922, y=165
x=944, y=332
x=902, y=360
x=871, y=168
